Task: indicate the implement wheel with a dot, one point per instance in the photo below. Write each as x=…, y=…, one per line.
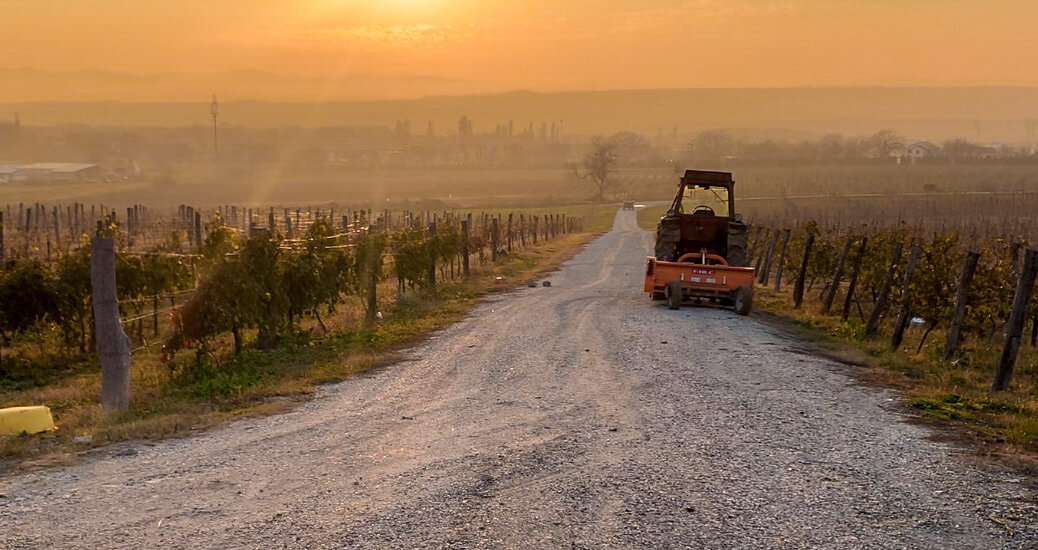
x=673, y=294
x=743, y=300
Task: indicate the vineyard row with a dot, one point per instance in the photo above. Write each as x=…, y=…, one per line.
x=217, y=278
x=974, y=288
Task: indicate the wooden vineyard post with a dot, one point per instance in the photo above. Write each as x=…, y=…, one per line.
x=872, y=325
x=198, y=229
x=57, y=227
x=155, y=315
x=465, y=247
x=961, y=294
x=757, y=248
x=535, y=219
x=830, y=291
x=902, y=315
x=1015, y=326
x=768, y=255
x=374, y=258
x=855, y=272
x=113, y=347
x=751, y=243
x=432, y=259
x=798, y=286
x=493, y=239
x=522, y=230
x=509, y=233
x=1, y=235
x=781, y=259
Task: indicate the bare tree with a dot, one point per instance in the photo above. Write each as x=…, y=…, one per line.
x=631, y=146
x=598, y=164
x=712, y=146
x=885, y=142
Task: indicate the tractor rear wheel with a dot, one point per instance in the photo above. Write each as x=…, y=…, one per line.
x=673, y=294
x=736, y=256
x=742, y=299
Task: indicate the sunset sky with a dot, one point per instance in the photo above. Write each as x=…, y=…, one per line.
x=545, y=45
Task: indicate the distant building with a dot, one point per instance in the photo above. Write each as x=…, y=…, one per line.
x=7, y=172
x=920, y=150
x=49, y=171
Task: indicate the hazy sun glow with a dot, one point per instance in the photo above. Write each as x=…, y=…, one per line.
x=406, y=48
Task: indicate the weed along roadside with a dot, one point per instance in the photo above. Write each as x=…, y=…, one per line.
x=929, y=314
x=271, y=318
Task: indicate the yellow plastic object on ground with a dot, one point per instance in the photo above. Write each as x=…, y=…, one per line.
x=30, y=420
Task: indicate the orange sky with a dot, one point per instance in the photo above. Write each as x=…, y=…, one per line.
x=544, y=45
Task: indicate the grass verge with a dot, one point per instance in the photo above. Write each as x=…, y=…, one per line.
x=952, y=396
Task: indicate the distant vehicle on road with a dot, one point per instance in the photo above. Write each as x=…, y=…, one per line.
x=628, y=205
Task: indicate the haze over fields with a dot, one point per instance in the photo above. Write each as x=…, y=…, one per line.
x=784, y=113
x=365, y=91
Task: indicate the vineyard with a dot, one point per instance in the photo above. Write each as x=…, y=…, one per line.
x=185, y=279
x=945, y=302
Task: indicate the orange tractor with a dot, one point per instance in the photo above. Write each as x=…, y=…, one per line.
x=701, y=246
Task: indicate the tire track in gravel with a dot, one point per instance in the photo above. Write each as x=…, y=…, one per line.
x=581, y=415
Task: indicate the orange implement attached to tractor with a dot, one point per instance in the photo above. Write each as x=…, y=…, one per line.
x=701, y=254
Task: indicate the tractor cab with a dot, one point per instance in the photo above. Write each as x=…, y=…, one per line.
x=702, y=218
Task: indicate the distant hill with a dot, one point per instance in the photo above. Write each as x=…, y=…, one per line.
x=986, y=114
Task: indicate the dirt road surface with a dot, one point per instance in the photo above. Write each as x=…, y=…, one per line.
x=576, y=416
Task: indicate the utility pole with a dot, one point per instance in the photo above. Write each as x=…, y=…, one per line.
x=214, y=108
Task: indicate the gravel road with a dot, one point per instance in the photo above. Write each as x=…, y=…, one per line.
x=581, y=415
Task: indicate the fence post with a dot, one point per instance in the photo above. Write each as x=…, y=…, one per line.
x=762, y=250
x=1, y=235
x=374, y=258
x=432, y=258
x=509, y=232
x=902, y=315
x=830, y=291
x=768, y=255
x=855, y=272
x=493, y=239
x=113, y=347
x=781, y=260
x=465, y=247
x=798, y=286
x=57, y=226
x=961, y=294
x=751, y=241
x=872, y=325
x=1015, y=326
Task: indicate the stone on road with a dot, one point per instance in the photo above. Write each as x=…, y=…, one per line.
x=579, y=415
